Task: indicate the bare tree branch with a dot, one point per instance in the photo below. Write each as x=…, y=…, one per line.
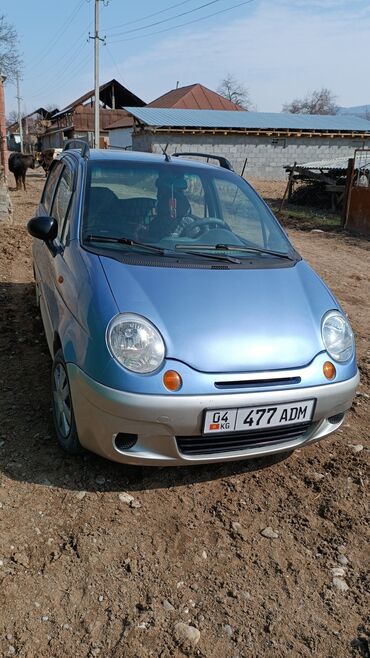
x=318, y=102
x=10, y=59
x=234, y=91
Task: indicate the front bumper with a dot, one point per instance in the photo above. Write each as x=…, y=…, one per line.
x=101, y=413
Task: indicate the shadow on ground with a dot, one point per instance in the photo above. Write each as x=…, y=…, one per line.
x=28, y=447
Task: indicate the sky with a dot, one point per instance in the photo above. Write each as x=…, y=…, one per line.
x=278, y=49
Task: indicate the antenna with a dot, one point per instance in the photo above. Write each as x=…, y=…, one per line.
x=164, y=151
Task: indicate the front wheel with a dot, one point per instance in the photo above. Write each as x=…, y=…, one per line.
x=63, y=416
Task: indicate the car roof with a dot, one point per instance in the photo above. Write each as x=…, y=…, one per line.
x=142, y=157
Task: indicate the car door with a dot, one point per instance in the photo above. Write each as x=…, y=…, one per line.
x=55, y=277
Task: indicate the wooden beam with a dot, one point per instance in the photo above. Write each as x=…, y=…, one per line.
x=348, y=191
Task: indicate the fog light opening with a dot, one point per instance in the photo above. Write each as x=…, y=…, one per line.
x=334, y=420
x=123, y=441
x=329, y=370
x=172, y=380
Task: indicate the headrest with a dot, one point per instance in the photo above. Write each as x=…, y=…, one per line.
x=167, y=181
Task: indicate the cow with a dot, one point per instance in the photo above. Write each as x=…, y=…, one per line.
x=46, y=157
x=18, y=165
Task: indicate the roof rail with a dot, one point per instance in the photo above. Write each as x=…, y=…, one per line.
x=78, y=144
x=223, y=162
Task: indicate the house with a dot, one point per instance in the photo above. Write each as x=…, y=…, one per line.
x=76, y=120
x=191, y=97
x=194, y=97
x=34, y=125
x=267, y=141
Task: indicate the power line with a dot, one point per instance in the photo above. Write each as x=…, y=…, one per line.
x=165, y=20
x=58, y=36
x=143, y=18
x=68, y=74
x=114, y=62
x=155, y=13
x=63, y=62
x=174, y=27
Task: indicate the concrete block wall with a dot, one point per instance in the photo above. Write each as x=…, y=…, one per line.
x=266, y=160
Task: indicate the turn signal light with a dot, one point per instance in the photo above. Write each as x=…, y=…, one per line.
x=172, y=380
x=329, y=370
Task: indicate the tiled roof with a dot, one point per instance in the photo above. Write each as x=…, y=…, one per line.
x=194, y=97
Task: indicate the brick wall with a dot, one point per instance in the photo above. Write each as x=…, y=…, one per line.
x=266, y=160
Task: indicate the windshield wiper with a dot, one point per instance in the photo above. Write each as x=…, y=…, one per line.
x=127, y=241
x=229, y=259
x=233, y=247
x=154, y=249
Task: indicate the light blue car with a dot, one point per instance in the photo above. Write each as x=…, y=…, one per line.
x=183, y=325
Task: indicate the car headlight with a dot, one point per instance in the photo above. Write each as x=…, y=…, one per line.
x=135, y=343
x=337, y=336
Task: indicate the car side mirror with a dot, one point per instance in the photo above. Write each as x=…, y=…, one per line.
x=43, y=228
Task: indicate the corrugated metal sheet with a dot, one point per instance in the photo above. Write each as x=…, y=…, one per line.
x=219, y=119
x=325, y=165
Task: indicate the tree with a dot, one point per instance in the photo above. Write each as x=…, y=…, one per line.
x=318, y=102
x=234, y=91
x=10, y=60
x=12, y=117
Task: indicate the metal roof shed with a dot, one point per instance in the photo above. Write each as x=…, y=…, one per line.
x=163, y=118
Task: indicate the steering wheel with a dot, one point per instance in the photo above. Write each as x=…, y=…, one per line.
x=191, y=230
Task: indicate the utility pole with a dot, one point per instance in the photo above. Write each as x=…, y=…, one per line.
x=3, y=145
x=97, y=39
x=96, y=76
x=19, y=114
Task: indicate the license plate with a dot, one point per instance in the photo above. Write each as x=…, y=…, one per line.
x=246, y=419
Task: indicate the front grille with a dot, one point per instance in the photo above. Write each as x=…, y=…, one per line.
x=255, y=383
x=208, y=445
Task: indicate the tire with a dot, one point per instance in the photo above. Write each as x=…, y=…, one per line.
x=63, y=416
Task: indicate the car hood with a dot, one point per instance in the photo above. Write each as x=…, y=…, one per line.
x=229, y=320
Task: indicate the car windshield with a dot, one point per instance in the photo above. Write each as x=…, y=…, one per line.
x=178, y=207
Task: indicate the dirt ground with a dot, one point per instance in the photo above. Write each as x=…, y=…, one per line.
x=84, y=573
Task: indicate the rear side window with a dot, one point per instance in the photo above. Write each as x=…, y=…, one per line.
x=49, y=188
x=62, y=199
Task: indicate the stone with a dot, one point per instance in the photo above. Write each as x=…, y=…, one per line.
x=357, y=448
x=80, y=495
x=340, y=584
x=228, y=630
x=269, y=533
x=44, y=618
x=125, y=497
x=135, y=504
x=204, y=555
x=239, y=530
x=185, y=634
x=343, y=560
x=101, y=598
x=168, y=606
x=21, y=558
x=338, y=571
